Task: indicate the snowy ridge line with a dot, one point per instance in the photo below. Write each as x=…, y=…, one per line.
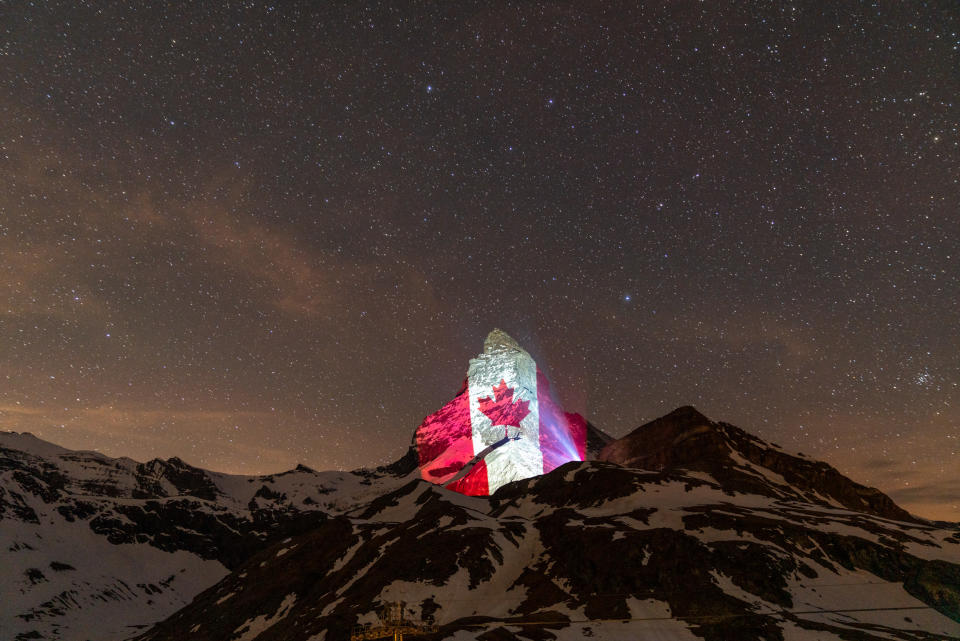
x=818, y=585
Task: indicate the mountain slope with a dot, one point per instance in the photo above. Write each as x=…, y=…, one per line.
x=714, y=545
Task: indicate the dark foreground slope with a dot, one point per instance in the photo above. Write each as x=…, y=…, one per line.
x=717, y=545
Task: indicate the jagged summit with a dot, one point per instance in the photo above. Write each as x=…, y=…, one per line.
x=686, y=521
x=498, y=340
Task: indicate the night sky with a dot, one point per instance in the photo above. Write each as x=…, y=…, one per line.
x=268, y=234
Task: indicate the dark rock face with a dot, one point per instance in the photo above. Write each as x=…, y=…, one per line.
x=682, y=436
x=12, y=505
x=186, y=480
x=186, y=524
x=686, y=439
x=597, y=439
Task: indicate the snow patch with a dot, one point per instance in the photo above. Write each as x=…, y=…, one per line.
x=111, y=589
x=252, y=628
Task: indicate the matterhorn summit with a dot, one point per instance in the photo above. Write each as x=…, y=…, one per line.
x=503, y=426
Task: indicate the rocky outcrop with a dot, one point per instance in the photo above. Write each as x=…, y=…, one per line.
x=185, y=480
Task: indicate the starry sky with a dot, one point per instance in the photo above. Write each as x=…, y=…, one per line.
x=253, y=234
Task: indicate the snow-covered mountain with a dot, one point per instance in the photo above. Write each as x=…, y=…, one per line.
x=97, y=548
x=683, y=529
x=721, y=536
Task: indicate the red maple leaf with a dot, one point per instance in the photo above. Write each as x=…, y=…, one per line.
x=504, y=410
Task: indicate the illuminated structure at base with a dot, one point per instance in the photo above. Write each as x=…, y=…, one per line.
x=393, y=625
x=504, y=425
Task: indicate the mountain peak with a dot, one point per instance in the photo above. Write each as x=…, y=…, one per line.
x=499, y=341
x=654, y=445
x=686, y=415
x=504, y=425
x=685, y=439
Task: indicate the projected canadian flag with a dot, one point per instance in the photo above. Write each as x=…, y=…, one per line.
x=504, y=410
x=503, y=426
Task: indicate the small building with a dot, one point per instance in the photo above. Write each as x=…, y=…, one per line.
x=394, y=624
